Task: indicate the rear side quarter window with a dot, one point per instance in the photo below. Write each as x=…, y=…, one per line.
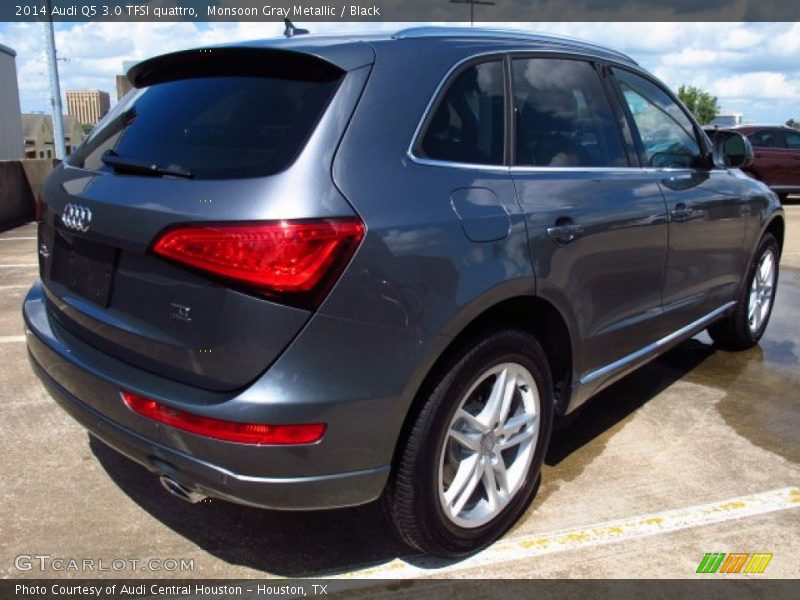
x=467, y=124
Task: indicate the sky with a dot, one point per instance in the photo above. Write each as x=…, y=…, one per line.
x=753, y=68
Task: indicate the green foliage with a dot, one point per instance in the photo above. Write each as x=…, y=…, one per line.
x=703, y=105
x=793, y=123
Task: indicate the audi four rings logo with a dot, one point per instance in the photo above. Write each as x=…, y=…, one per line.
x=76, y=217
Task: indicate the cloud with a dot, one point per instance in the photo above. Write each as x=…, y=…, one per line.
x=757, y=86
x=751, y=67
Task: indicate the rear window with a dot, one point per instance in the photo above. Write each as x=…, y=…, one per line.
x=215, y=127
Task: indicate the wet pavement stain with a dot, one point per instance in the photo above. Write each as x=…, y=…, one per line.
x=762, y=385
x=583, y=437
x=761, y=402
x=764, y=408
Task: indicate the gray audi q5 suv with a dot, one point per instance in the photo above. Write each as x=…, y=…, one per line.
x=308, y=273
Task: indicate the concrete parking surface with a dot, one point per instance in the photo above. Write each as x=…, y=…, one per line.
x=697, y=452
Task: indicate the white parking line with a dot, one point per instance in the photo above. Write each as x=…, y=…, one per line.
x=13, y=239
x=19, y=266
x=11, y=339
x=598, y=534
x=15, y=286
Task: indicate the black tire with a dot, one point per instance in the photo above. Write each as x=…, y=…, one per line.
x=412, y=496
x=733, y=332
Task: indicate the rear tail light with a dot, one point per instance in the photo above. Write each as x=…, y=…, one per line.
x=293, y=261
x=229, y=431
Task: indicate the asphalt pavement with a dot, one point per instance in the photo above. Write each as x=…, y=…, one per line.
x=697, y=452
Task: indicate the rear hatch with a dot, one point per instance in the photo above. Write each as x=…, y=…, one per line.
x=212, y=144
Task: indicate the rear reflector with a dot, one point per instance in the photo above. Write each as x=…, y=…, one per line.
x=294, y=260
x=229, y=431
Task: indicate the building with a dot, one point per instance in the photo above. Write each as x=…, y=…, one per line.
x=37, y=132
x=39, y=139
x=88, y=106
x=727, y=119
x=123, y=83
x=73, y=133
x=10, y=113
x=123, y=86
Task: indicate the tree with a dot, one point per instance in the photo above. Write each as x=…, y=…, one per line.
x=793, y=123
x=703, y=105
x=87, y=128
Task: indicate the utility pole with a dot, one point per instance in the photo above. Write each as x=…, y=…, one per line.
x=472, y=4
x=55, y=88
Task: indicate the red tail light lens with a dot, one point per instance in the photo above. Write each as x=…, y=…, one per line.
x=229, y=431
x=291, y=259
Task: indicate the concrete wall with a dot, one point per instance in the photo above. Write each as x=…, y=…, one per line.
x=11, y=142
x=20, y=187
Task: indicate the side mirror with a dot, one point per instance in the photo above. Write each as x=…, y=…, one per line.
x=731, y=150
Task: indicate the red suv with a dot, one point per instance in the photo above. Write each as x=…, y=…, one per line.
x=777, y=156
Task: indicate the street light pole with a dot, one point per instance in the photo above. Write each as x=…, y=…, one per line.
x=55, y=88
x=472, y=4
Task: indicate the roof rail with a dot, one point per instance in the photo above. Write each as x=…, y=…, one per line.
x=505, y=34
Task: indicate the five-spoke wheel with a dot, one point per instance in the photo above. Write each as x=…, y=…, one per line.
x=471, y=462
x=745, y=325
x=489, y=445
x=761, y=289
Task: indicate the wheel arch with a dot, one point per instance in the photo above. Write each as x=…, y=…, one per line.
x=773, y=222
x=777, y=227
x=527, y=312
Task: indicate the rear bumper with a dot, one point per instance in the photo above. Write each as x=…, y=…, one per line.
x=59, y=368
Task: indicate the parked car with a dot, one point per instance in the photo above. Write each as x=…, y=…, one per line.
x=777, y=155
x=315, y=272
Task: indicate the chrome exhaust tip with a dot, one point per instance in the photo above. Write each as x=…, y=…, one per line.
x=181, y=491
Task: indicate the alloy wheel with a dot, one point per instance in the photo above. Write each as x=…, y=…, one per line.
x=489, y=445
x=761, y=290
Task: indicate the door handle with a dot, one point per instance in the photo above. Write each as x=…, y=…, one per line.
x=564, y=231
x=680, y=212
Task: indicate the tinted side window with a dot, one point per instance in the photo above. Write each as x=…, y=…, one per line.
x=766, y=138
x=468, y=123
x=792, y=140
x=666, y=132
x=563, y=117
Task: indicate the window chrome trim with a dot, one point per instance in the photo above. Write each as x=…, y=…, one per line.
x=500, y=54
x=588, y=169
x=432, y=162
x=510, y=35
x=681, y=170
x=634, y=357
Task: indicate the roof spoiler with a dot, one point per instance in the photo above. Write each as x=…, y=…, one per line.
x=227, y=61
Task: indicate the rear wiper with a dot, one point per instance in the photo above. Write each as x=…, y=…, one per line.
x=129, y=165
